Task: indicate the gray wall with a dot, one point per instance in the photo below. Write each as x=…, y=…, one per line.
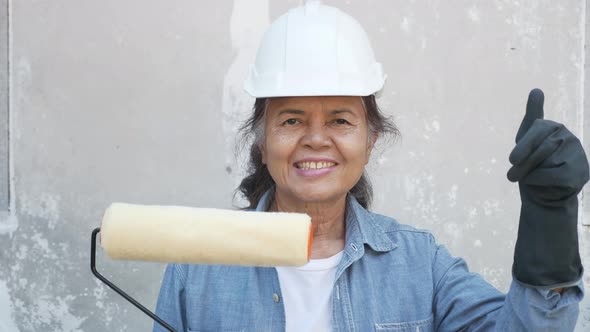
x=4, y=189
x=138, y=101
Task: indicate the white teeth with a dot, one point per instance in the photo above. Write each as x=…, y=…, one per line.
x=314, y=165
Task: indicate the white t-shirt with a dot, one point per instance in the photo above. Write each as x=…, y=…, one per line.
x=307, y=294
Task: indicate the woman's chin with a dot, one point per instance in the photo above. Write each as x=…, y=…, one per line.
x=315, y=196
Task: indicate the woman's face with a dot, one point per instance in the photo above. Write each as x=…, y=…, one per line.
x=315, y=148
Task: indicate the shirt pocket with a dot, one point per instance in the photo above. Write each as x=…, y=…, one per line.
x=424, y=325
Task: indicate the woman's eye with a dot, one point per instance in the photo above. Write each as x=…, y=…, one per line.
x=290, y=122
x=341, y=122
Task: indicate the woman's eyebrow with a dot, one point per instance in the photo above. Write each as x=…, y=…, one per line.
x=301, y=112
x=291, y=111
x=341, y=110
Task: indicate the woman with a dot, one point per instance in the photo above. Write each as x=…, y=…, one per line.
x=314, y=125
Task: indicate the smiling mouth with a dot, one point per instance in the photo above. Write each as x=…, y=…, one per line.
x=314, y=165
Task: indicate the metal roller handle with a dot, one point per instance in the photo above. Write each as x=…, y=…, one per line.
x=117, y=289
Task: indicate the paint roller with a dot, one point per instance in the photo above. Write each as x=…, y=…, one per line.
x=205, y=236
x=177, y=234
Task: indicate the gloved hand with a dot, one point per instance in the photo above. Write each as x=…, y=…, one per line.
x=551, y=168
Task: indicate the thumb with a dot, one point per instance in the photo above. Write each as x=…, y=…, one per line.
x=534, y=111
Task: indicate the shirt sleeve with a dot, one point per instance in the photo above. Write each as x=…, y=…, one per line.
x=464, y=301
x=170, y=307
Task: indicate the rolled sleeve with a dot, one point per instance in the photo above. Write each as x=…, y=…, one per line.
x=546, y=310
x=465, y=301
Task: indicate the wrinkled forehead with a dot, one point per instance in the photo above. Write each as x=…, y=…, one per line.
x=317, y=103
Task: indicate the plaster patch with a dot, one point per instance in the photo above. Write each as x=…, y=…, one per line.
x=6, y=309
x=472, y=213
x=409, y=187
x=44, y=206
x=110, y=311
x=405, y=24
x=8, y=223
x=249, y=20
x=473, y=14
x=454, y=231
x=15, y=269
x=494, y=276
x=527, y=23
x=23, y=79
x=420, y=191
x=491, y=206
x=43, y=244
x=452, y=195
x=435, y=126
x=22, y=252
x=99, y=293
x=432, y=126
x=564, y=104
x=55, y=312
x=22, y=283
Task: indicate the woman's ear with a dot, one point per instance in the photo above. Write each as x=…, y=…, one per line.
x=371, y=144
x=262, y=152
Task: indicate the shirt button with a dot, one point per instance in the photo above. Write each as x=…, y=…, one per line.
x=275, y=297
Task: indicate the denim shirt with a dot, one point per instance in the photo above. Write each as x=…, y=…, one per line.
x=392, y=277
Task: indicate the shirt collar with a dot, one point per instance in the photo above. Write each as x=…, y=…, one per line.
x=361, y=226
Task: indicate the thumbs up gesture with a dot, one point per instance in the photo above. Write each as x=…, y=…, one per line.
x=550, y=166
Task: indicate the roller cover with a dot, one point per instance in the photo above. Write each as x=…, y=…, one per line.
x=205, y=235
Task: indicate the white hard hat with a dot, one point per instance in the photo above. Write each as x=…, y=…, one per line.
x=315, y=50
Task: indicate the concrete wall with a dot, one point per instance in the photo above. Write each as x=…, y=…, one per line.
x=139, y=101
x=4, y=199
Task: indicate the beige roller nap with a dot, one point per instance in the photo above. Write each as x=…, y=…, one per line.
x=205, y=236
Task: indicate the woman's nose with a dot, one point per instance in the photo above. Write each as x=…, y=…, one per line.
x=316, y=137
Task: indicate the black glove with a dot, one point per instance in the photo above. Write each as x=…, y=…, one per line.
x=551, y=168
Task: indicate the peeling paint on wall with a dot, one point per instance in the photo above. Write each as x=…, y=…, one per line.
x=35, y=286
x=473, y=14
x=8, y=223
x=249, y=20
x=44, y=206
x=55, y=312
x=21, y=84
x=6, y=322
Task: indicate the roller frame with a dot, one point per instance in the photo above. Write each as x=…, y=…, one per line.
x=117, y=289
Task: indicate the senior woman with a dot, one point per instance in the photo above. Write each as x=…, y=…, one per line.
x=314, y=125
